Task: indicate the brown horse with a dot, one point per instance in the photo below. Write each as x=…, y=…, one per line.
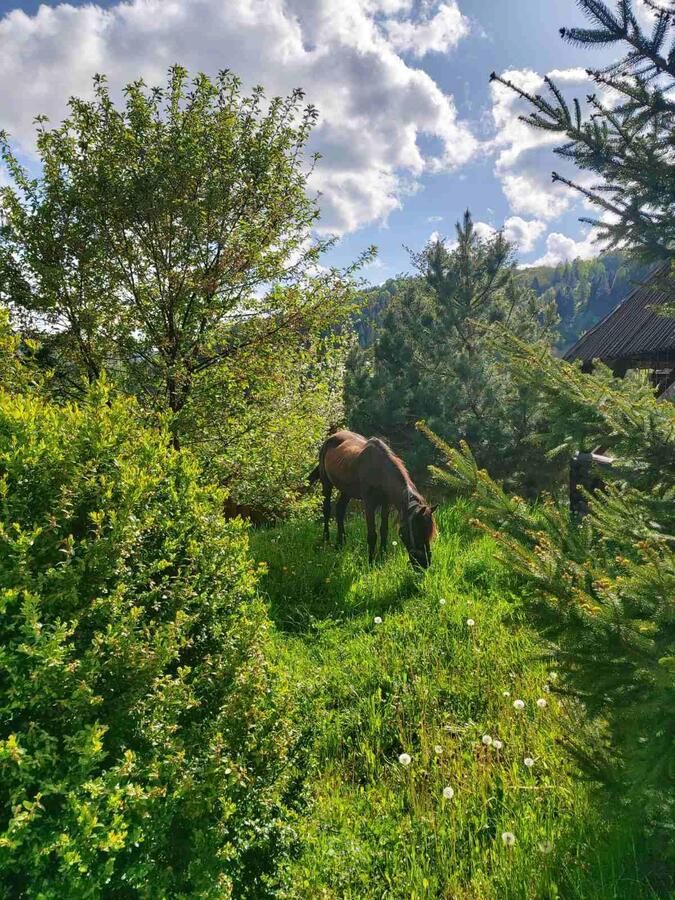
x=368, y=470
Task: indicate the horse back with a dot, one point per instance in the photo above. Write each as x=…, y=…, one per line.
x=339, y=461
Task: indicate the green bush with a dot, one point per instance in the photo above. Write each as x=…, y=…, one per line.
x=141, y=744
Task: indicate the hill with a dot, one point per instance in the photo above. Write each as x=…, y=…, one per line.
x=584, y=291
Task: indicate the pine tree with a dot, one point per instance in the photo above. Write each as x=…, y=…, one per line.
x=601, y=590
x=628, y=144
x=433, y=359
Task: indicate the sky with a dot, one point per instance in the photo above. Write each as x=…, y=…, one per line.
x=411, y=132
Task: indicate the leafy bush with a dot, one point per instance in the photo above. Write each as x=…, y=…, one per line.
x=17, y=369
x=141, y=744
x=603, y=590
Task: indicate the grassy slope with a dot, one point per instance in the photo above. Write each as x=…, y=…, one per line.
x=426, y=683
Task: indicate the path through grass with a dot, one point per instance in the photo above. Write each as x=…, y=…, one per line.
x=439, y=679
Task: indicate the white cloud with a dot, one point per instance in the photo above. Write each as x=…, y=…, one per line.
x=483, y=230
x=374, y=107
x=560, y=249
x=524, y=158
x=433, y=33
x=524, y=234
x=516, y=230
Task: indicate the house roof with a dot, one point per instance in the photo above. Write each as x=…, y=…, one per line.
x=634, y=332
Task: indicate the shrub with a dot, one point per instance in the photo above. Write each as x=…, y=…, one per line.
x=141, y=749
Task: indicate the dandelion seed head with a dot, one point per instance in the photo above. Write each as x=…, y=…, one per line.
x=553, y=676
x=405, y=759
x=394, y=543
x=506, y=693
x=547, y=688
x=529, y=762
x=377, y=620
x=486, y=739
x=541, y=703
x=448, y=793
x=442, y=601
x=438, y=749
x=508, y=838
x=519, y=704
x=470, y=623
x=497, y=744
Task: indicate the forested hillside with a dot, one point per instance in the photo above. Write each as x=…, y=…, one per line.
x=584, y=291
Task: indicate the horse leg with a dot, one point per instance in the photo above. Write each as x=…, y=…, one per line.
x=384, y=528
x=327, y=491
x=340, y=512
x=372, y=530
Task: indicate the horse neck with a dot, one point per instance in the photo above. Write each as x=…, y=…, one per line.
x=401, y=491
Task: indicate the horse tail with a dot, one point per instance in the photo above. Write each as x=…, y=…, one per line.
x=315, y=475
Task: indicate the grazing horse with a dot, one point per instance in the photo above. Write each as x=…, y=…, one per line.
x=368, y=470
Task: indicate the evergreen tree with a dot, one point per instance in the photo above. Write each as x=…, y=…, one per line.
x=432, y=357
x=602, y=590
x=628, y=145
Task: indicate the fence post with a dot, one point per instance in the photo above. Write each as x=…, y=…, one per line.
x=584, y=479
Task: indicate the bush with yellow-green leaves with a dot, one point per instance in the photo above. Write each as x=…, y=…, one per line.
x=142, y=744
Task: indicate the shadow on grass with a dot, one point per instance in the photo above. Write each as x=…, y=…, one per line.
x=309, y=581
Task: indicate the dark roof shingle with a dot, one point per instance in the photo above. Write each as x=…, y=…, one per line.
x=633, y=332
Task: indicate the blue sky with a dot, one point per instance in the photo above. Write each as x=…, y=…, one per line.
x=411, y=131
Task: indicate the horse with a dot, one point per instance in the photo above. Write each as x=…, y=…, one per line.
x=368, y=470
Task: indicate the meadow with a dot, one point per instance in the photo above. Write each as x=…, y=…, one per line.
x=431, y=731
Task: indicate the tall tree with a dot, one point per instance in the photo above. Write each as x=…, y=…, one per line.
x=433, y=357
x=627, y=140
x=166, y=237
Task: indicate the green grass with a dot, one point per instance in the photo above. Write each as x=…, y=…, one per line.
x=426, y=683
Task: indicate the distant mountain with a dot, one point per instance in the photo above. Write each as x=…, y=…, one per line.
x=584, y=291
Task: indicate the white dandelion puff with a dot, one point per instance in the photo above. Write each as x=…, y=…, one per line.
x=519, y=704
x=470, y=623
x=394, y=543
x=508, y=838
x=529, y=762
x=438, y=749
x=553, y=676
x=506, y=693
x=448, y=793
x=486, y=739
x=547, y=688
x=377, y=620
x=497, y=744
x=442, y=601
x=405, y=759
x=541, y=703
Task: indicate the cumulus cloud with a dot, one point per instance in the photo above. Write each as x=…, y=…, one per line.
x=561, y=249
x=433, y=33
x=524, y=158
x=521, y=232
x=374, y=106
x=524, y=234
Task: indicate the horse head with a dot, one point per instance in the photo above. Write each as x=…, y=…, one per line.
x=417, y=531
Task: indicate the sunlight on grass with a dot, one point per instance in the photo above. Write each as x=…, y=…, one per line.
x=417, y=783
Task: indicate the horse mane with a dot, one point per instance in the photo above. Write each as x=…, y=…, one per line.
x=396, y=460
x=400, y=465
